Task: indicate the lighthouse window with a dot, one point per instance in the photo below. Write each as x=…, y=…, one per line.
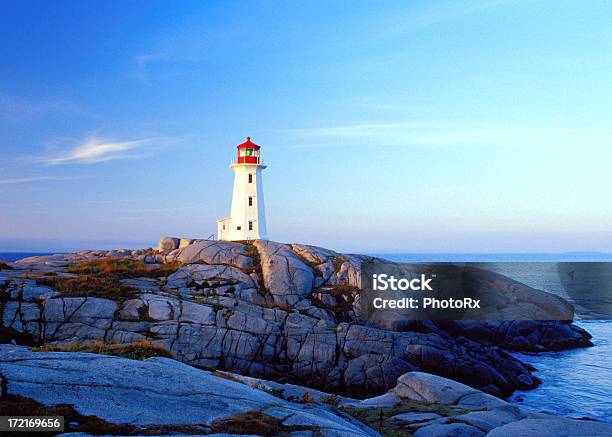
x=250, y=225
x=250, y=201
x=238, y=228
x=250, y=178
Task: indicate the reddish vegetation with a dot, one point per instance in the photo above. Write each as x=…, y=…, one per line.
x=258, y=423
x=105, y=286
x=124, y=268
x=103, y=278
x=139, y=350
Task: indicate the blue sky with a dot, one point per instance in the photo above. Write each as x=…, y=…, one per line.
x=451, y=126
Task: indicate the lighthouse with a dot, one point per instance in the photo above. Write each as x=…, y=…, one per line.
x=247, y=220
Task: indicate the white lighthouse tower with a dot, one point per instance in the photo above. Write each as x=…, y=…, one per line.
x=247, y=220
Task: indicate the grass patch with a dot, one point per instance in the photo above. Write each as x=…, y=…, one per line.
x=337, y=261
x=257, y=269
x=269, y=303
x=258, y=423
x=103, y=278
x=343, y=290
x=380, y=418
x=250, y=422
x=140, y=350
x=251, y=250
x=306, y=398
x=332, y=400
x=123, y=268
x=225, y=375
x=228, y=314
x=278, y=392
x=109, y=287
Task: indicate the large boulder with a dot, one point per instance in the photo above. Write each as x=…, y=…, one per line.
x=529, y=319
x=433, y=389
x=167, y=244
x=426, y=405
x=313, y=254
x=213, y=252
x=200, y=273
x=184, y=242
x=519, y=335
x=133, y=397
x=552, y=427
x=158, y=391
x=432, y=353
x=286, y=276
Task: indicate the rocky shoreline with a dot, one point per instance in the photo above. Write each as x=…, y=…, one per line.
x=101, y=394
x=287, y=313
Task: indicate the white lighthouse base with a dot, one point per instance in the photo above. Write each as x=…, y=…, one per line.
x=228, y=231
x=248, y=217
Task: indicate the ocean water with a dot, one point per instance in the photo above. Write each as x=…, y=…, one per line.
x=575, y=383
x=14, y=256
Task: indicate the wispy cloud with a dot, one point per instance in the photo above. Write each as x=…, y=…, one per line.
x=430, y=14
x=96, y=150
x=30, y=179
x=366, y=129
x=391, y=134
x=449, y=134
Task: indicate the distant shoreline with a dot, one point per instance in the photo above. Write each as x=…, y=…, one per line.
x=497, y=257
x=13, y=256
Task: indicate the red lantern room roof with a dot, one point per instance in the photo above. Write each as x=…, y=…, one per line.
x=248, y=153
x=248, y=144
